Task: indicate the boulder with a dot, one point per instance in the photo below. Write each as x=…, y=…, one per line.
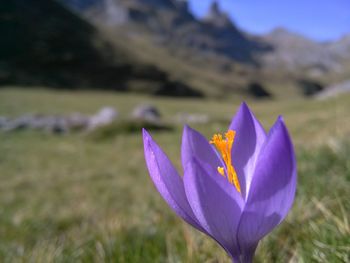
x=105, y=116
x=18, y=123
x=147, y=113
x=3, y=121
x=56, y=124
x=77, y=121
x=39, y=122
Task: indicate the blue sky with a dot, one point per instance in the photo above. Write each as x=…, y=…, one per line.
x=321, y=20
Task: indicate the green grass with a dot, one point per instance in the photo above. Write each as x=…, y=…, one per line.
x=70, y=198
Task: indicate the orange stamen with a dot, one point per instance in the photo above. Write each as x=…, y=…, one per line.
x=224, y=146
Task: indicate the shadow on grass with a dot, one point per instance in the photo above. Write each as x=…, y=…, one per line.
x=126, y=127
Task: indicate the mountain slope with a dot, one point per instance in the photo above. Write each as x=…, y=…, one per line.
x=45, y=44
x=341, y=48
x=172, y=25
x=293, y=51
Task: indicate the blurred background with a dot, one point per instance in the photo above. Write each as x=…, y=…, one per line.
x=80, y=78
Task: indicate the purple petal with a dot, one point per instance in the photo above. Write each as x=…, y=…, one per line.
x=167, y=181
x=272, y=189
x=218, y=211
x=250, y=136
x=195, y=144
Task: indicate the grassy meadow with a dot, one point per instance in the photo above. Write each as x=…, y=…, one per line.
x=86, y=198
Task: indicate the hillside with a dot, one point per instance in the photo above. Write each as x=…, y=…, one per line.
x=233, y=58
x=172, y=25
x=46, y=44
x=296, y=52
x=166, y=34
x=159, y=47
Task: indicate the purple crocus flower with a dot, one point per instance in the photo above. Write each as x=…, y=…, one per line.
x=236, y=188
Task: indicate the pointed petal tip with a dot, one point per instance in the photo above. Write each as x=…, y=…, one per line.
x=280, y=125
x=276, y=167
x=280, y=128
x=280, y=119
x=145, y=132
x=148, y=141
x=245, y=110
x=242, y=112
x=145, y=136
x=186, y=129
x=244, y=106
x=167, y=180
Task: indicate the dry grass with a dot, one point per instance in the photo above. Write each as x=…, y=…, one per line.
x=72, y=199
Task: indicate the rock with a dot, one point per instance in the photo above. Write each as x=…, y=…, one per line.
x=77, y=121
x=192, y=118
x=19, y=123
x=3, y=121
x=52, y=124
x=60, y=124
x=147, y=113
x=217, y=17
x=57, y=125
x=105, y=116
x=38, y=122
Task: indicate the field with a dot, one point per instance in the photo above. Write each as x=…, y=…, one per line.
x=83, y=198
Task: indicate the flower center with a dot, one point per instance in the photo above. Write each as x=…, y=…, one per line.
x=224, y=146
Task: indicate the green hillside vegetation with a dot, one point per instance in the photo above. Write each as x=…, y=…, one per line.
x=214, y=75
x=43, y=43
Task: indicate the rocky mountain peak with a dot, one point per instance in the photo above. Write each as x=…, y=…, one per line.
x=217, y=17
x=181, y=5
